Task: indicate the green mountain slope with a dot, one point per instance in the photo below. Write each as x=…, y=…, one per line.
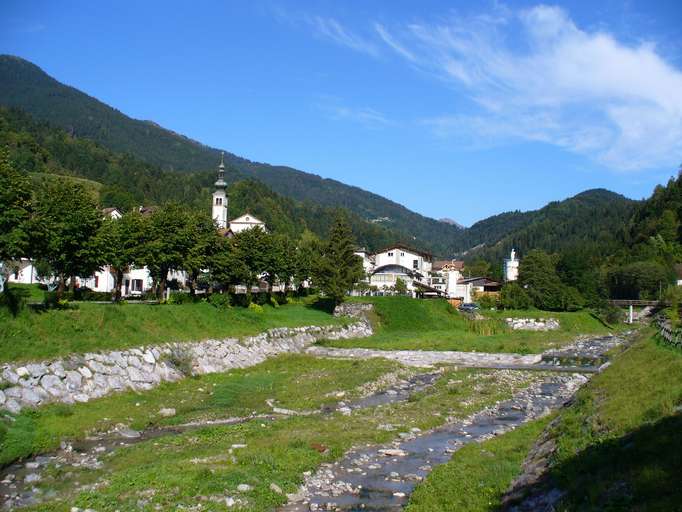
x=134, y=160
x=26, y=86
x=592, y=221
x=125, y=182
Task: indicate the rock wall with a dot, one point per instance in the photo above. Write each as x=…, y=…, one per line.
x=81, y=377
x=533, y=324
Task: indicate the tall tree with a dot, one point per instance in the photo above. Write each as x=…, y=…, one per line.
x=338, y=268
x=225, y=267
x=15, y=211
x=251, y=248
x=204, y=244
x=123, y=242
x=67, y=221
x=171, y=239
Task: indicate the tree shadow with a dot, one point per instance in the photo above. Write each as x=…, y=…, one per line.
x=325, y=304
x=641, y=470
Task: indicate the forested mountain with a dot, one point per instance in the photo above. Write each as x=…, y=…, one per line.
x=594, y=218
x=125, y=182
x=139, y=162
x=26, y=86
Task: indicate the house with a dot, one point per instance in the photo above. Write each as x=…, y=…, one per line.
x=400, y=261
x=470, y=288
x=137, y=281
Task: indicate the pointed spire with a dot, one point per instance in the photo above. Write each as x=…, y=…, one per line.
x=221, y=172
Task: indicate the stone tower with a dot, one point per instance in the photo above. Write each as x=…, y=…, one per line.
x=220, y=197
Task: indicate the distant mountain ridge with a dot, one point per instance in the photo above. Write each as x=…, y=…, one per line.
x=25, y=86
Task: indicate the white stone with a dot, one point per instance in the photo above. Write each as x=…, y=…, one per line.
x=244, y=487
x=85, y=372
x=22, y=372
x=167, y=412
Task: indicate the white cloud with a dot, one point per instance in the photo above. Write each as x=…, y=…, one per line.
x=390, y=41
x=366, y=116
x=535, y=75
x=331, y=29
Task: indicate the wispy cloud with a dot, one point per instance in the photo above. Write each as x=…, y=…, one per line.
x=331, y=29
x=390, y=41
x=366, y=116
x=535, y=75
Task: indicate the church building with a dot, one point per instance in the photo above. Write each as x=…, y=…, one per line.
x=220, y=208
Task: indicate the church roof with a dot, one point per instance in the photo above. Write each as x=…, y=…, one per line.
x=247, y=218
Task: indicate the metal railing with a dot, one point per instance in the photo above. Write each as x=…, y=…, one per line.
x=670, y=334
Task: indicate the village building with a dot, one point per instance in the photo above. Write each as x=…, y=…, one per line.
x=138, y=281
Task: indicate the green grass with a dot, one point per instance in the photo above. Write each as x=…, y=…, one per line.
x=403, y=323
x=178, y=469
x=33, y=291
x=295, y=382
x=89, y=327
x=619, y=446
x=478, y=475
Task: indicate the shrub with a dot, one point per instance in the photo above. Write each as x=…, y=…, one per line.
x=219, y=300
x=176, y=298
x=487, y=301
x=240, y=299
x=256, y=307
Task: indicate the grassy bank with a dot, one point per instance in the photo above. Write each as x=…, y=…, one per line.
x=478, y=475
x=199, y=467
x=619, y=446
x=89, y=327
x=403, y=323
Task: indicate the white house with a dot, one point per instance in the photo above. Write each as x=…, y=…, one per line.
x=137, y=281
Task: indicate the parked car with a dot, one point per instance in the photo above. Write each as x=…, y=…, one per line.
x=468, y=307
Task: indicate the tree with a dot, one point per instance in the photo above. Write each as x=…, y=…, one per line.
x=538, y=275
x=65, y=229
x=400, y=287
x=639, y=280
x=307, y=253
x=251, y=248
x=338, y=268
x=513, y=296
x=225, y=267
x=477, y=268
x=15, y=211
x=171, y=238
x=203, y=244
x=123, y=242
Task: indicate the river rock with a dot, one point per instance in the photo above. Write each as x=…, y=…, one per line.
x=244, y=487
x=167, y=412
x=53, y=385
x=22, y=372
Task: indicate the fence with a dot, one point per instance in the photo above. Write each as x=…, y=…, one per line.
x=672, y=336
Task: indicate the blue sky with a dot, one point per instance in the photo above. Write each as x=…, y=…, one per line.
x=454, y=109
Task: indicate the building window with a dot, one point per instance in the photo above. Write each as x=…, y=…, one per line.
x=390, y=254
x=136, y=285
x=402, y=254
x=219, y=201
x=415, y=264
x=96, y=281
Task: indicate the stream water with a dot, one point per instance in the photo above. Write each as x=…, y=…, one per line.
x=373, y=478
x=383, y=477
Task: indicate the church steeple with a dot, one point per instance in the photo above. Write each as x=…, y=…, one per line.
x=220, y=196
x=220, y=183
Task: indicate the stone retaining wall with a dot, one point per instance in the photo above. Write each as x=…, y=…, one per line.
x=79, y=378
x=533, y=324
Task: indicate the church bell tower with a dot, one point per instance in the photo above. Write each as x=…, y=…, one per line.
x=220, y=197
